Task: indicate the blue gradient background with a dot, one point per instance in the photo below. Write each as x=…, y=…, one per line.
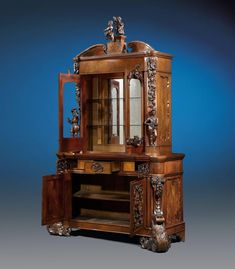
x=39, y=40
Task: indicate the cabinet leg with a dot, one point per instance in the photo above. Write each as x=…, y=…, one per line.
x=159, y=240
x=58, y=229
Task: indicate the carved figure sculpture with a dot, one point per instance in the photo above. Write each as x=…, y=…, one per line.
x=119, y=25
x=109, y=31
x=74, y=121
x=151, y=123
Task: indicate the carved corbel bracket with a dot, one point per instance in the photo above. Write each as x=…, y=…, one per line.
x=62, y=165
x=58, y=229
x=159, y=240
x=143, y=170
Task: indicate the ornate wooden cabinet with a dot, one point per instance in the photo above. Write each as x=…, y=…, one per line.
x=115, y=170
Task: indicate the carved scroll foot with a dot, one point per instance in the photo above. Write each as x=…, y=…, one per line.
x=58, y=229
x=158, y=242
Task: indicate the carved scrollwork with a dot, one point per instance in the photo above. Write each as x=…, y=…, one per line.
x=135, y=141
x=143, y=170
x=138, y=205
x=136, y=74
x=62, y=165
x=59, y=229
x=151, y=121
x=97, y=168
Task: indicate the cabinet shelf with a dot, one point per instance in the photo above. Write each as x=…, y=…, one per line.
x=101, y=224
x=103, y=195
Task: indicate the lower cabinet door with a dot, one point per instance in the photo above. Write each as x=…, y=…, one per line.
x=54, y=195
x=137, y=205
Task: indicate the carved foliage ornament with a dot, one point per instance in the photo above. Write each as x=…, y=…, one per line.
x=136, y=73
x=135, y=141
x=76, y=66
x=157, y=184
x=151, y=121
x=138, y=205
x=143, y=170
x=62, y=165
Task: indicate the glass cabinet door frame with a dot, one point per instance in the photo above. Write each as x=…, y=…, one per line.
x=72, y=143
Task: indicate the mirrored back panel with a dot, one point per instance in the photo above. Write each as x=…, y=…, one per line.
x=135, y=108
x=106, y=124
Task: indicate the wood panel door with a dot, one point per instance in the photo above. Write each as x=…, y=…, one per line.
x=137, y=205
x=56, y=204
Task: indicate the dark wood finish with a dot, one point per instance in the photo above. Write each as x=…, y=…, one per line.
x=52, y=194
x=135, y=186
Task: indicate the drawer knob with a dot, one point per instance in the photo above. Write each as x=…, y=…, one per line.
x=97, y=168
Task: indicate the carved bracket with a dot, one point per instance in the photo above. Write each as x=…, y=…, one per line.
x=76, y=66
x=143, y=170
x=62, y=165
x=58, y=229
x=159, y=240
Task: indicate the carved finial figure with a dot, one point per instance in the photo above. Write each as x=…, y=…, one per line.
x=151, y=123
x=109, y=31
x=119, y=25
x=74, y=121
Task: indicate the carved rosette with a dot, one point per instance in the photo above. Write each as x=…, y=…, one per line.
x=62, y=165
x=58, y=229
x=159, y=240
x=151, y=120
x=138, y=206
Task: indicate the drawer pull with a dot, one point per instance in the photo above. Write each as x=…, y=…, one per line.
x=97, y=168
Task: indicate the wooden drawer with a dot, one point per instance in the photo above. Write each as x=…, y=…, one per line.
x=93, y=167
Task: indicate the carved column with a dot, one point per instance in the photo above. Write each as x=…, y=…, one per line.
x=159, y=240
x=151, y=120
